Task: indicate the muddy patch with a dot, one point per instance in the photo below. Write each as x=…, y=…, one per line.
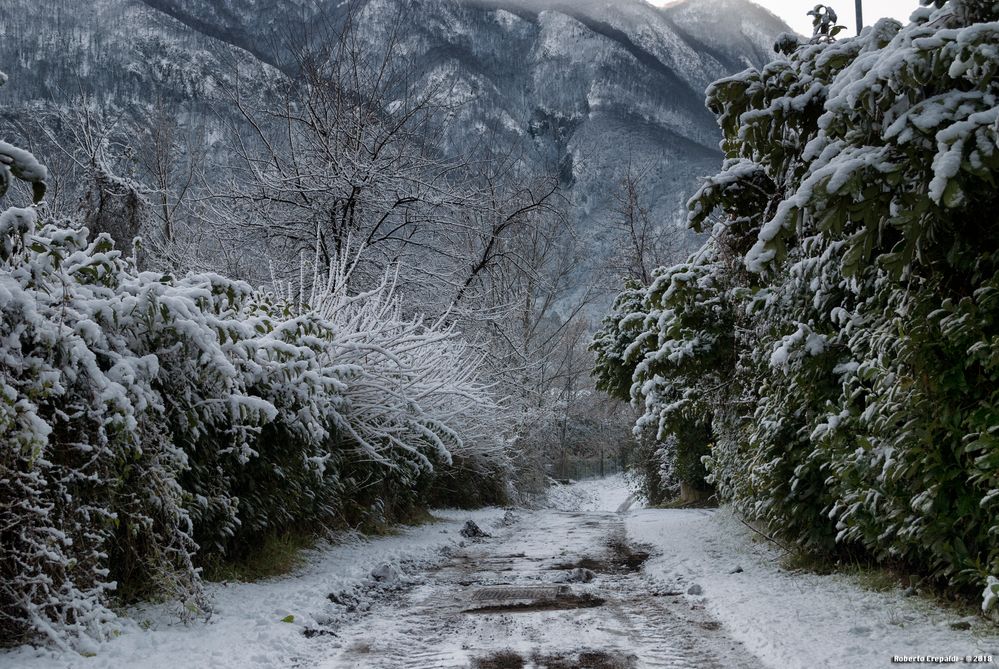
x=560, y=603
x=313, y=632
x=621, y=559
x=585, y=659
x=522, y=592
x=528, y=598
x=503, y=660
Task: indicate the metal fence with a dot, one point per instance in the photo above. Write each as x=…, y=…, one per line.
x=610, y=462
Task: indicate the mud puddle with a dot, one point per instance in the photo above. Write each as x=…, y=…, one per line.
x=586, y=659
x=623, y=558
x=562, y=603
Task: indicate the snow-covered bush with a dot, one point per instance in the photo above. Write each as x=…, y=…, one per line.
x=145, y=412
x=991, y=594
x=413, y=408
x=414, y=396
x=859, y=403
x=87, y=474
x=613, y=342
x=51, y=552
x=662, y=348
x=149, y=423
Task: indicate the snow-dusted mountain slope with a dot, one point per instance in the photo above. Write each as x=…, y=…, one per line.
x=119, y=51
x=588, y=86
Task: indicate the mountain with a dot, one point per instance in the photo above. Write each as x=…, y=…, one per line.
x=116, y=50
x=592, y=81
x=590, y=86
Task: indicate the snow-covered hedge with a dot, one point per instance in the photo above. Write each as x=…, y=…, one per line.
x=854, y=270
x=653, y=348
x=148, y=421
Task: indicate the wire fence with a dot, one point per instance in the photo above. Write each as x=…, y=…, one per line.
x=606, y=464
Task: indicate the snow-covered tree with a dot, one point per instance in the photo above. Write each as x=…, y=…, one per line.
x=150, y=423
x=859, y=390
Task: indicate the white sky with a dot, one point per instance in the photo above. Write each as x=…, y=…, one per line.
x=793, y=11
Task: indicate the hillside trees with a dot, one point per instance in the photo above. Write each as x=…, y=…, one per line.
x=853, y=334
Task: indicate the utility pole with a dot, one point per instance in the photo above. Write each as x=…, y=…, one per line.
x=860, y=16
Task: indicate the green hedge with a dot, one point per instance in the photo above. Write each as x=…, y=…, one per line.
x=850, y=365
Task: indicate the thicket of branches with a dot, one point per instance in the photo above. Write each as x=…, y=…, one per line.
x=838, y=330
x=150, y=422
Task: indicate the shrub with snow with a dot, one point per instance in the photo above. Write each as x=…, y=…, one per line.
x=855, y=273
x=150, y=422
x=673, y=329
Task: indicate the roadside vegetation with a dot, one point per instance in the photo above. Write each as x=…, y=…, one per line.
x=829, y=355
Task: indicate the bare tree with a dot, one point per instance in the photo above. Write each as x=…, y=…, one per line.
x=114, y=200
x=641, y=243
x=170, y=154
x=353, y=150
x=508, y=202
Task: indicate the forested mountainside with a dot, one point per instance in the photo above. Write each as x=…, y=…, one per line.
x=596, y=87
x=591, y=90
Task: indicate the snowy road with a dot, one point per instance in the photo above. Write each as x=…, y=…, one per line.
x=710, y=594
x=507, y=601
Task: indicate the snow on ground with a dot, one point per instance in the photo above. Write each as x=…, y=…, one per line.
x=786, y=618
x=493, y=605
x=794, y=619
x=608, y=494
x=246, y=630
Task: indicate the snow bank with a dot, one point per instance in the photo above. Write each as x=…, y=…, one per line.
x=793, y=619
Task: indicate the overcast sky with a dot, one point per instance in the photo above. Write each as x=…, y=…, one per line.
x=793, y=11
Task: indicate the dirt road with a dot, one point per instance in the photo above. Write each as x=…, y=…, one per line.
x=555, y=590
